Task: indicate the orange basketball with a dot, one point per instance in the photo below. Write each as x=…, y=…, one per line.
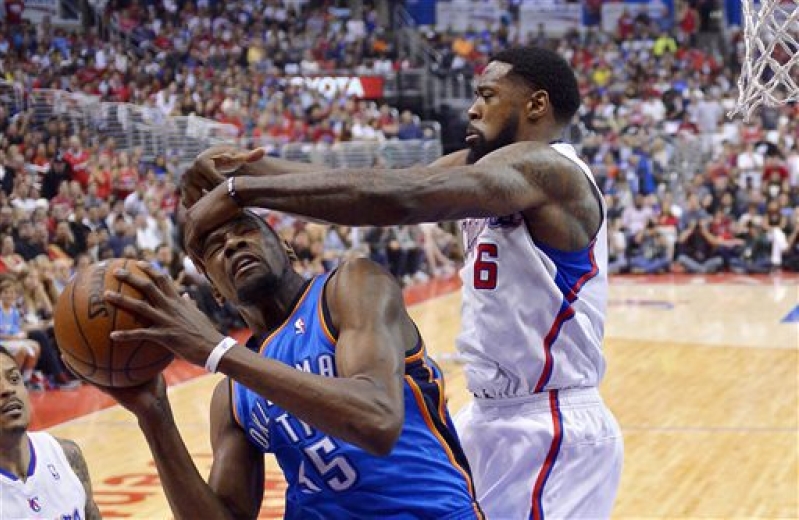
x=83, y=321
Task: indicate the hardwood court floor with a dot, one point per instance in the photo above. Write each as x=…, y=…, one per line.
x=703, y=376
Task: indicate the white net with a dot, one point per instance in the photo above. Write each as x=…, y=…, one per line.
x=770, y=69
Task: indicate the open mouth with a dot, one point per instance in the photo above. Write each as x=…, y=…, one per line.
x=243, y=263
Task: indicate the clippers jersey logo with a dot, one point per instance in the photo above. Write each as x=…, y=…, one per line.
x=508, y=221
x=471, y=229
x=34, y=504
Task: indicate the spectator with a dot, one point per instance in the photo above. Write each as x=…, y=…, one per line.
x=25, y=351
x=696, y=249
x=651, y=252
x=756, y=253
x=408, y=127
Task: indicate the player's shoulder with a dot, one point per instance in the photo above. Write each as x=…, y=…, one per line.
x=360, y=276
x=69, y=446
x=561, y=156
x=363, y=269
x=72, y=452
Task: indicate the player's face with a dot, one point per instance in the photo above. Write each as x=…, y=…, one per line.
x=245, y=262
x=495, y=114
x=14, y=401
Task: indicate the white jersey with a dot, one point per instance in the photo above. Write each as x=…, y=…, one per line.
x=51, y=490
x=533, y=317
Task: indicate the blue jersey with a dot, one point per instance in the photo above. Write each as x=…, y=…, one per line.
x=425, y=475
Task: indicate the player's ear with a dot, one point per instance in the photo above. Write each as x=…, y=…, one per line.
x=537, y=105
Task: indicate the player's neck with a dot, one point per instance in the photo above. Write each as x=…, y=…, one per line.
x=15, y=455
x=273, y=312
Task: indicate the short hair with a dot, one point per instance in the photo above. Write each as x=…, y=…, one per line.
x=545, y=69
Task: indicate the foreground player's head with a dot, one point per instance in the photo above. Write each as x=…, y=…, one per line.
x=524, y=93
x=245, y=260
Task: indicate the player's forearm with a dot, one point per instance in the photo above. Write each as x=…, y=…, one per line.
x=189, y=495
x=351, y=409
x=268, y=166
x=359, y=197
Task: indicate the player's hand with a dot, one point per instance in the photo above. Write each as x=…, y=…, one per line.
x=210, y=168
x=174, y=322
x=214, y=209
x=143, y=399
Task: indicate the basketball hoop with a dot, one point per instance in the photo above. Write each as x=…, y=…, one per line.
x=770, y=69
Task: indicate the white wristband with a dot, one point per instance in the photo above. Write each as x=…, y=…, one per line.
x=221, y=348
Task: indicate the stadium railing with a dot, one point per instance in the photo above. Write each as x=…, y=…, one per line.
x=135, y=127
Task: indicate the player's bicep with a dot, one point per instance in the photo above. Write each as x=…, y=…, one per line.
x=528, y=175
x=237, y=472
x=373, y=328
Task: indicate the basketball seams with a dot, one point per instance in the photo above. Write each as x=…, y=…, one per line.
x=92, y=321
x=114, y=324
x=86, y=344
x=166, y=358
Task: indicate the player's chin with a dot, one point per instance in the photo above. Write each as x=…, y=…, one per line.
x=255, y=285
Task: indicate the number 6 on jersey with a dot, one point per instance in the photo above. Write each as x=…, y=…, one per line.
x=485, y=268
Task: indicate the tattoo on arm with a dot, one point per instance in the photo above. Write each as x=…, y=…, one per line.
x=550, y=180
x=78, y=464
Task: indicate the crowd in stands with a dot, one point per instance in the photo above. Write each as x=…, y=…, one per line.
x=687, y=189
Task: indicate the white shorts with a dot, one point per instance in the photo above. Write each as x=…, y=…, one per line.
x=554, y=455
x=15, y=346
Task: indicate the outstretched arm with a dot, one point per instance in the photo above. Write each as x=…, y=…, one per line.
x=81, y=469
x=212, y=166
x=515, y=178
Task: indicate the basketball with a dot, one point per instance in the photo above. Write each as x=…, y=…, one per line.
x=83, y=322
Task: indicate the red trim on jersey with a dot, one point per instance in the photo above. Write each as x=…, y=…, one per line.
x=566, y=312
x=537, y=504
x=578, y=285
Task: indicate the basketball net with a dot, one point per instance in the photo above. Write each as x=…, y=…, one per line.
x=770, y=69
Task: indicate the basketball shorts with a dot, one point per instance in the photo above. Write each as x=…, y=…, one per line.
x=554, y=455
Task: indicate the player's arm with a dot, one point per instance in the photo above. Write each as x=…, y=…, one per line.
x=212, y=166
x=364, y=404
x=78, y=464
x=518, y=177
x=188, y=494
x=237, y=472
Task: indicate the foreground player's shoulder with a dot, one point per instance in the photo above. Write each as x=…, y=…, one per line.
x=360, y=287
x=362, y=271
x=557, y=174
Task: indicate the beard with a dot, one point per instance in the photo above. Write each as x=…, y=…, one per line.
x=252, y=291
x=482, y=147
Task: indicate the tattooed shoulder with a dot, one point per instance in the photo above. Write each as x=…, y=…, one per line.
x=75, y=458
x=78, y=464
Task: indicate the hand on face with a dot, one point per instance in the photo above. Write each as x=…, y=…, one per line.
x=211, y=211
x=210, y=169
x=174, y=322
